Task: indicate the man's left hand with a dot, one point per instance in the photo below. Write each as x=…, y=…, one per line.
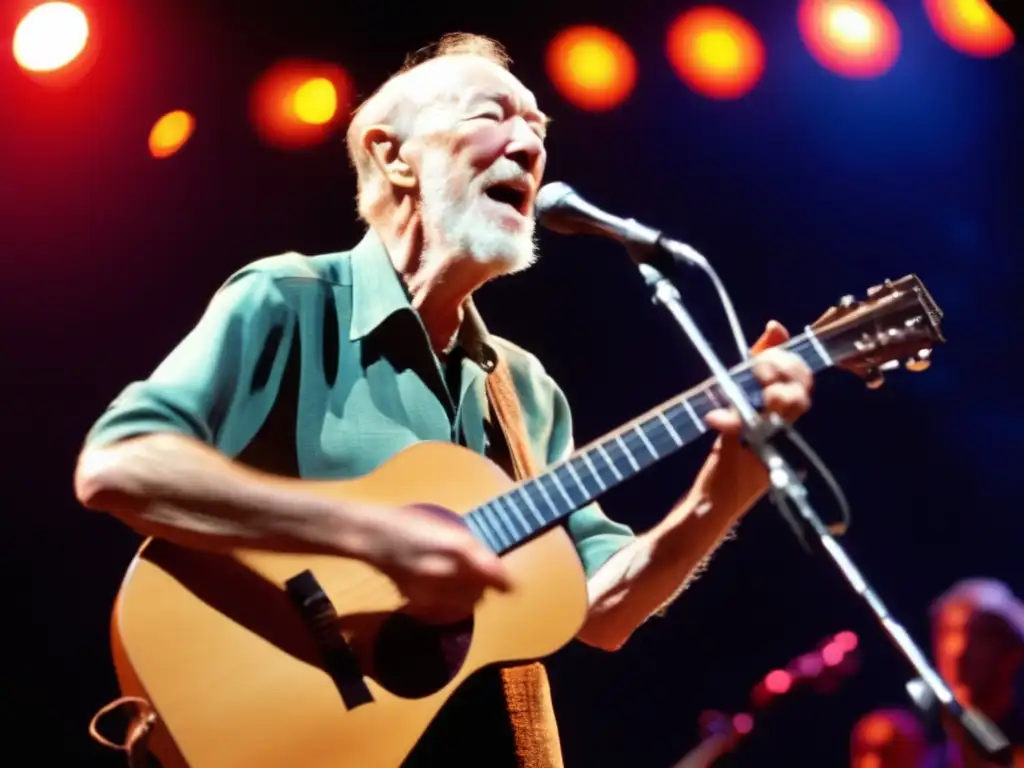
x=785, y=379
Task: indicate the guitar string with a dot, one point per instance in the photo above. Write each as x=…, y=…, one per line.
x=629, y=443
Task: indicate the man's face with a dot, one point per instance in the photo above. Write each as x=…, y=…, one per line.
x=479, y=158
x=973, y=649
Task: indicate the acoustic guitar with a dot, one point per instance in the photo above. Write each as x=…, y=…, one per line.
x=267, y=660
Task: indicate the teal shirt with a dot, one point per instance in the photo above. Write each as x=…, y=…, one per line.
x=319, y=368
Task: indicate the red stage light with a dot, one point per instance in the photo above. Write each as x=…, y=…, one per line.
x=858, y=39
x=832, y=655
x=808, y=665
x=846, y=640
x=715, y=52
x=778, y=682
x=742, y=723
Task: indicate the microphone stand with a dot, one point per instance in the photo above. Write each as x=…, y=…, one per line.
x=758, y=433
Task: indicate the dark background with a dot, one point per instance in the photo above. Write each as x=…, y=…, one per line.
x=810, y=187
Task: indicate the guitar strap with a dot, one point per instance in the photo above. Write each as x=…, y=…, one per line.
x=526, y=687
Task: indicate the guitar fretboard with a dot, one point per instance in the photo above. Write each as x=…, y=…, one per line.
x=536, y=504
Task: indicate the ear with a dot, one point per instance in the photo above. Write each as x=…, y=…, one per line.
x=383, y=146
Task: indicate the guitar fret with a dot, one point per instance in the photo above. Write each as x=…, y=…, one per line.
x=670, y=429
x=515, y=511
x=629, y=456
x=491, y=515
x=647, y=443
x=712, y=397
x=540, y=487
x=593, y=471
x=529, y=503
x=560, y=487
x=608, y=460
x=506, y=518
x=817, y=346
x=697, y=421
x=478, y=528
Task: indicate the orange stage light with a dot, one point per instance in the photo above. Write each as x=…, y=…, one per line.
x=592, y=68
x=970, y=26
x=50, y=36
x=170, y=133
x=857, y=39
x=715, y=52
x=299, y=103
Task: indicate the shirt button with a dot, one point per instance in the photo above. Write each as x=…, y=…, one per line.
x=488, y=359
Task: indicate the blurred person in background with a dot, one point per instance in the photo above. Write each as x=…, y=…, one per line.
x=978, y=643
x=891, y=738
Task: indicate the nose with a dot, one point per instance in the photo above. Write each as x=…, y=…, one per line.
x=525, y=148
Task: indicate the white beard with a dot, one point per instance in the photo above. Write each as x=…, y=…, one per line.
x=468, y=224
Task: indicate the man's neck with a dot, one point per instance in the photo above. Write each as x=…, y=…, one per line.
x=438, y=282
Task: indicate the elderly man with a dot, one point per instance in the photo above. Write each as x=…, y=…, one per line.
x=324, y=367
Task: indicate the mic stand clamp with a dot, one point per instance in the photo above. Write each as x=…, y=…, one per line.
x=758, y=433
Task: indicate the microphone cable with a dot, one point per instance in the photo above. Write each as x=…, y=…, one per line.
x=817, y=463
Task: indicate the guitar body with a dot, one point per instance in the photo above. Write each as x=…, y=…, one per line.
x=223, y=654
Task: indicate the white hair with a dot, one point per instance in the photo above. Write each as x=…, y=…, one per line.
x=396, y=104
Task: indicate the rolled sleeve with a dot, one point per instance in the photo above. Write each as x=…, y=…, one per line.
x=219, y=383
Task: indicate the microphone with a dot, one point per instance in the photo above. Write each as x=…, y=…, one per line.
x=560, y=209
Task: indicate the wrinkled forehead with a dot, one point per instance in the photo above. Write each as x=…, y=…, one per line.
x=454, y=85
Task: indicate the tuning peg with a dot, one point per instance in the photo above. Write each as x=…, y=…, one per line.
x=919, y=362
x=874, y=378
x=847, y=301
x=887, y=283
x=889, y=365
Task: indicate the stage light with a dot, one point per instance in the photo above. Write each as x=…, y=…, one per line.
x=170, y=133
x=832, y=655
x=808, y=665
x=778, y=682
x=50, y=36
x=315, y=101
x=846, y=640
x=970, y=27
x=591, y=67
x=742, y=723
x=858, y=39
x=715, y=52
x=298, y=104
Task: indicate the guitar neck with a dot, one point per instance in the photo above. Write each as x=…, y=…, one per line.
x=536, y=504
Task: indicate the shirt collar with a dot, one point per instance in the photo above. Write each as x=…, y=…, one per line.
x=378, y=293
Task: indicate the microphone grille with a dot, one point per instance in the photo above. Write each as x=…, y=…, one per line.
x=551, y=196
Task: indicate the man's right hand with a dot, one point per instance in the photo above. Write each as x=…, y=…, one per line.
x=437, y=564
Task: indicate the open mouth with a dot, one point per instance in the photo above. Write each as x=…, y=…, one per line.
x=508, y=194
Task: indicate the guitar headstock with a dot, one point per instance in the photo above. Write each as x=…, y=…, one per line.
x=896, y=324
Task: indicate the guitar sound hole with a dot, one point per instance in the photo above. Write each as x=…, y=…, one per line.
x=413, y=659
